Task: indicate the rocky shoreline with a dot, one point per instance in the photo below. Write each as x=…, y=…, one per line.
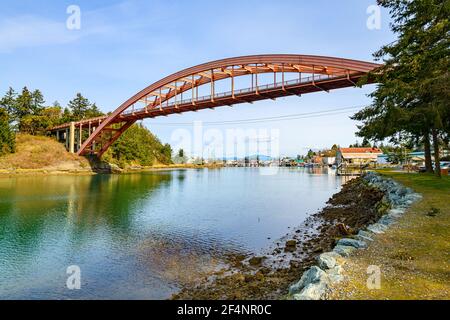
x=316, y=282
x=315, y=251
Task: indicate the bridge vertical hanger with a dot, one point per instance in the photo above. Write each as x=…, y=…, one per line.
x=313, y=82
x=232, y=83
x=181, y=92
x=160, y=99
x=274, y=76
x=212, y=85
x=168, y=97
x=175, y=96
x=282, y=77
x=256, y=78
x=193, y=92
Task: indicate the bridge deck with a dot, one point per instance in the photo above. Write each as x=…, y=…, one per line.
x=248, y=95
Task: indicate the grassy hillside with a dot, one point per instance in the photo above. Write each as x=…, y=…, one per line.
x=37, y=152
x=414, y=255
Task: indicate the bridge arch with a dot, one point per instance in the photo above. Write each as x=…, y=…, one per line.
x=165, y=96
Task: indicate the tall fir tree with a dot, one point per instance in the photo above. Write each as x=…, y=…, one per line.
x=8, y=102
x=37, y=103
x=79, y=107
x=412, y=95
x=7, y=136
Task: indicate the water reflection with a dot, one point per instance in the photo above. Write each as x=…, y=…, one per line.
x=142, y=235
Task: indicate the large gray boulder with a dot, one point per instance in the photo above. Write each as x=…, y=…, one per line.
x=344, y=251
x=364, y=236
x=327, y=260
x=313, y=291
x=335, y=274
x=312, y=275
x=358, y=244
x=377, y=228
x=386, y=220
x=396, y=212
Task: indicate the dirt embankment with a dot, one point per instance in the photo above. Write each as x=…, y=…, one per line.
x=269, y=276
x=36, y=154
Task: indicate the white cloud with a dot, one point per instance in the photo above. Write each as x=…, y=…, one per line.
x=29, y=31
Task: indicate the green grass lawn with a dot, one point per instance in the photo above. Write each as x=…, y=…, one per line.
x=414, y=254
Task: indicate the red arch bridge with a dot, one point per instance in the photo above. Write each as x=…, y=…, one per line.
x=267, y=76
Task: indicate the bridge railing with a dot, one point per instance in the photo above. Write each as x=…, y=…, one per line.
x=276, y=85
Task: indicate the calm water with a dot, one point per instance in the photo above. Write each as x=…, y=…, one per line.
x=142, y=235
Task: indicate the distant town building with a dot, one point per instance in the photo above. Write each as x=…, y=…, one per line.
x=317, y=159
x=328, y=161
x=357, y=156
x=417, y=158
x=288, y=162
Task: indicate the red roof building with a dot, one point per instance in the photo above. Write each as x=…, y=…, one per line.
x=357, y=155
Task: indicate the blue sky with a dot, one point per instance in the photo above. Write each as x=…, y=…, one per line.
x=123, y=46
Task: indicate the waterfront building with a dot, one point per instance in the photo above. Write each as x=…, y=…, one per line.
x=357, y=156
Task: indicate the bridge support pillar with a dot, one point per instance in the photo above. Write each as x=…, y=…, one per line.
x=93, y=142
x=72, y=138
x=66, y=138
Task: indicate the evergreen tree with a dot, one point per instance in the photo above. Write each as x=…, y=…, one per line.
x=139, y=146
x=24, y=104
x=310, y=154
x=94, y=111
x=8, y=102
x=413, y=93
x=79, y=107
x=7, y=137
x=37, y=102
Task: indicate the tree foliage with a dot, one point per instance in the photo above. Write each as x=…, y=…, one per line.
x=81, y=108
x=412, y=96
x=139, y=146
x=180, y=157
x=26, y=112
x=7, y=136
